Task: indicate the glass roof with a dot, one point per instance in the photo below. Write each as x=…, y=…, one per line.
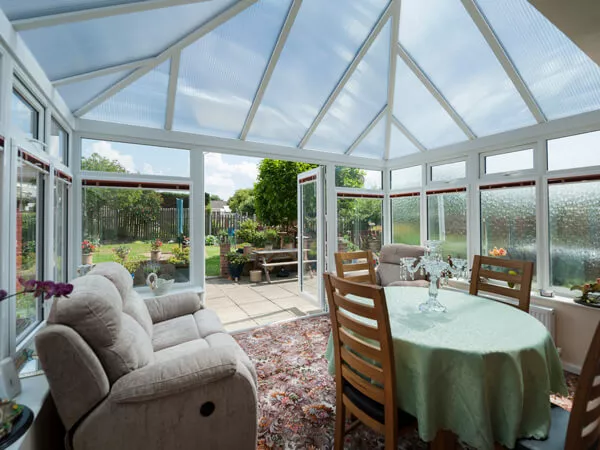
x=204, y=67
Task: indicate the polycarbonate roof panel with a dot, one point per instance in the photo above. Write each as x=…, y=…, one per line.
x=373, y=144
x=220, y=74
x=358, y=103
x=323, y=41
x=143, y=102
x=445, y=42
x=78, y=94
x=561, y=77
x=418, y=110
x=81, y=47
x=400, y=145
x=26, y=9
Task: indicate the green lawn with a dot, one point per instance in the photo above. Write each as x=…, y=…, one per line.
x=212, y=261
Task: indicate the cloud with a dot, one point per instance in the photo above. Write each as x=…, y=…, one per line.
x=223, y=176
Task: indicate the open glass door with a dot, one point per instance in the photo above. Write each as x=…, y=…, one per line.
x=311, y=243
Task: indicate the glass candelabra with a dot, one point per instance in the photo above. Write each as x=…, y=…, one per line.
x=434, y=265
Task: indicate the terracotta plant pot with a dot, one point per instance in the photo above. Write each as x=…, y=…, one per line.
x=87, y=258
x=155, y=255
x=288, y=245
x=247, y=250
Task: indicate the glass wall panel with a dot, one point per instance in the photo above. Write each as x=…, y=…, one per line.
x=574, y=232
x=447, y=221
x=61, y=190
x=59, y=142
x=24, y=116
x=406, y=220
x=449, y=172
x=508, y=221
x=359, y=224
x=407, y=178
x=142, y=229
x=581, y=150
x=509, y=162
x=82, y=92
x=352, y=177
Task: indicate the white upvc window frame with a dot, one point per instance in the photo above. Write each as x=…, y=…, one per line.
x=510, y=175
x=449, y=183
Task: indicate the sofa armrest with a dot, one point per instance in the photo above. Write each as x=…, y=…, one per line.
x=174, y=376
x=171, y=306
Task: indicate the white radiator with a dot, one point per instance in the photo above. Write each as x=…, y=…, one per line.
x=547, y=316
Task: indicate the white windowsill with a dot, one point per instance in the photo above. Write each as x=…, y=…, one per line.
x=146, y=292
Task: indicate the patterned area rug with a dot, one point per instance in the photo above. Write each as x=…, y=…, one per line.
x=297, y=394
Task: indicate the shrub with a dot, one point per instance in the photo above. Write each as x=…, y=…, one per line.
x=271, y=236
x=235, y=258
x=181, y=256
x=247, y=231
x=211, y=240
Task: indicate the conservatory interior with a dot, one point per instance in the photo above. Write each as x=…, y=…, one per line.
x=477, y=126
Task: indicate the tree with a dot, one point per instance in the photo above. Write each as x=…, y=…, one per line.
x=97, y=163
x=349, y=177
x=275, y=192
x=242, y=201
x=207, y=207
x=215, y=197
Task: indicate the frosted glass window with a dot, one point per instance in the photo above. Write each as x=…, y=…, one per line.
x=359, y=224
x=447, y=222
x=354, y=177
x=508, y=217
x=443, y=39
x=421, y=113
x=361, y=99
x=449, y=172
x=80, y=93
x=373, y=144
x=581, y=150
x=80, y=47
x=109, y=156
x=406, y=220
x=562, y=78
x=509, y=162
x=407, y=178
x=59, y=142
x=324, y=39
x=16, y=10
x=220, y=73
x=24, y=116
x=400, y=145
x=574, y=232
x=143, y=102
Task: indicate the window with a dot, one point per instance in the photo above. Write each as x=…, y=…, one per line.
x=574, y=225
x=351, y=177
x=406, y=219
x=61, y=190
x=59, y=142
x=447, y=221
x=509, y=162
x=24, y=116
x=582, y=150
x=359, y=222
x=508, y=221
x=407, y=178
x=449, y=172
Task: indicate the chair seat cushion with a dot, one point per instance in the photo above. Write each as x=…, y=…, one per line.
x=174, y=331
x=556, y=437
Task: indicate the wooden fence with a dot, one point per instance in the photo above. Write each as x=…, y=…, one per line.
x=217, y=221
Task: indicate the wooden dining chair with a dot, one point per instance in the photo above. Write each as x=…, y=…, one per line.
x=359, y=272
x=521, y=276
x=580, y=429
x=364, y=361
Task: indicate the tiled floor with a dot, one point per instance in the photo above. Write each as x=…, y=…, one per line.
x=245, y=305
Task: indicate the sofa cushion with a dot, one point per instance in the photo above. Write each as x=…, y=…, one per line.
x=224, y=340
x=197, y=345
x=116, y=273
x=132, y=350
x=392, y=253
x=174, y=331
x=208, y=322
x=135, y=306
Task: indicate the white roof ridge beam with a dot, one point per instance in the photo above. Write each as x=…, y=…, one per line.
x=392, y=76
x=432, y=88
x=100, y=72
x=381, y=22
x=172, y=90
x=408, y=134
x=273, y=60
x=192, y=37
x=490, y=36
x=95, y=13
x=367, y=130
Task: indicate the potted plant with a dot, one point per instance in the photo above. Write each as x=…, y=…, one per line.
x=132, y=265
x=590, y=294
x=121, y=252
x=87, y=250
x=288, y=241
x=271, y=237
x=236, y=261
x=155, y=252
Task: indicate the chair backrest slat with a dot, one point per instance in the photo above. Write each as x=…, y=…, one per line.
x=362, y=329
x=365, y=386
x=366, y=368
x=354, y=307
x=346, y=268
x=359, y=346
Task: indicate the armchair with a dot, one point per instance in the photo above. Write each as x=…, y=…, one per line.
x=389, y=271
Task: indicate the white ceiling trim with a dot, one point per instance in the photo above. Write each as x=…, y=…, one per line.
x=392, y=76
x=100, y=72
x=408, y=134
x=172, y=90
x=380, y=116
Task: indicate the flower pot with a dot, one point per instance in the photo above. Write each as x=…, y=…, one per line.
x=235, y=270
x=268, y=246
x=155, y=255
x=247, y=250
x=288, y=245
x=87, y=258
x=256, y=276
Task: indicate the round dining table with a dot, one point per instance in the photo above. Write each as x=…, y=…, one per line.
x=483, y=370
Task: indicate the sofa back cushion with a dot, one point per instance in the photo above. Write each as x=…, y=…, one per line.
x=389, y=269
x=135, y=306
x=95, y=311
x=116, y=273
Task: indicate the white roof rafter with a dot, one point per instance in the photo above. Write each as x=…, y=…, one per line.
x=392, y=76
x=408, y=134
x=503, y=58
x=172, y=90
x=380, y=116
x=381, y=22
x=275, y=54
x=192, y=37
x=96, y=13
x=100, y=72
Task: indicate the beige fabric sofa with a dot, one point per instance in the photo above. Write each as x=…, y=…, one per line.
x=389, y=271
x=156, y=374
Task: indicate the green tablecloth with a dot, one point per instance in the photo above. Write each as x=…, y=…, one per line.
x=483, y=370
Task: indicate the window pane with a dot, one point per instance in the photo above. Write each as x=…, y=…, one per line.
x=125, y=222
x=373, y=144
x=359, y=224
x=357, y=178
x=447, y=221
x=582, y=150
x=449, y=172
x=82, y=92
x=406, y=220
x=61, y=190
x=107, y=156
x=30, y=194
x=508, y=162
x=407, y=178
x=59, y=141
x=574, y=232
x=508, y=217
x=16, y=10
x=24, y=116
x=400, y=145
